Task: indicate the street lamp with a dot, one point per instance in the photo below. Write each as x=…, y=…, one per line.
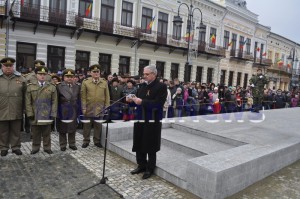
x=178, y=21
x=293, y=59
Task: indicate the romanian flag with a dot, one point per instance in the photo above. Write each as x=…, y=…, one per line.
x=151, y=24
x=213, y=38
x=279, y=62
x=230, y=44
x=189, y=37
x=88, y=10
x=257, y=49
x=264, y=54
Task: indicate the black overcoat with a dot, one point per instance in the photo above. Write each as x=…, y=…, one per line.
x=68, y=107
x=147, y=131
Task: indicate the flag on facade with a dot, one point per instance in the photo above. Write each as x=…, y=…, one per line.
x=88, y=10
x=279, y=62
x=151, y=24
x=289, y=65
x=257, y=49
x=264, y=54
x=22, y=2
x=189, y=37
x=213, y=38
x=230, y=44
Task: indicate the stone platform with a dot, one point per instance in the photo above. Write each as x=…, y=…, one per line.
x=217, y=156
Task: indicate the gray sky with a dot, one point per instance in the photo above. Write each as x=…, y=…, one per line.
x=282, y=16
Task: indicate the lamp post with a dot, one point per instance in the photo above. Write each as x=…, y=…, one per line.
x=293, y=59
x=178, y=21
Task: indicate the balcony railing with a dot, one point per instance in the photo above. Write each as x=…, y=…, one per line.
x=281, y=68
x=264, y=61
x=241, y=54
x=55, y=17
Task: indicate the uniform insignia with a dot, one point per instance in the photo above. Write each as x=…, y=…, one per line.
x=8, y=62
x=38, y=64
x=18, y=81
x=95, y=68
x=69, y=73
x=43, y=70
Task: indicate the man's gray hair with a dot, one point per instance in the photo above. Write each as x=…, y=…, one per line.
x=152, y=68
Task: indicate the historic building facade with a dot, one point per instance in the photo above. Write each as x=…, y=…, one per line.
x=125, y=35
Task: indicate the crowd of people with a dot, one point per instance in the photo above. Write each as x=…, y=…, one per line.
x=79, y=97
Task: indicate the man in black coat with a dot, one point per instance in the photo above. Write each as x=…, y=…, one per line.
x=68, y=110
x=150, y=99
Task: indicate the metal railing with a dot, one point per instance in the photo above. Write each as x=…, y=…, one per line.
x=237, y=53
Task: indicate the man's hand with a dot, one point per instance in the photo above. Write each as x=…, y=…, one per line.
x=137, y=100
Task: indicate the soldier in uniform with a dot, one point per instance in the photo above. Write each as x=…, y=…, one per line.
x=258, y=82
x=41, y=109
x=68, y=109
x=31, y=77
x=94, y=98
x=12, y=87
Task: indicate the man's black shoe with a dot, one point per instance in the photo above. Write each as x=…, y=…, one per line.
x=84, y=145
x=138, y=170
x=34, y=151
x=74, y=148
x=98, y=145
x=63, y=148
x=4, y=152
x=17, y=152
x=147, y=175
x=48, y=151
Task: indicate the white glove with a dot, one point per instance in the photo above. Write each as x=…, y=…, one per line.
x=252, y=85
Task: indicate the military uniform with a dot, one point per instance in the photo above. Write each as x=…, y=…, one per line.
x=41, y=108
x=31, y=77
x=12, y=89
x=258, y=82
x=94, y=98
x=68, y=111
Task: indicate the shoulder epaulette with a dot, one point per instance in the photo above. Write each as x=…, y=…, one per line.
x=29, y=83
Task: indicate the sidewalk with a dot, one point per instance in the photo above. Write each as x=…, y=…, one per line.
x=63, y=174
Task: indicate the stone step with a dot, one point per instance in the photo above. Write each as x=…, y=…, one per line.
x=171, y=163
x=193, y=144
x=191, y=129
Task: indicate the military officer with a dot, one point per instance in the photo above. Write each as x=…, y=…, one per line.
x=31, y=77
x=258, y=82
x=94, y=98
x=12, y=87
x=41, y=109
x=68, y=109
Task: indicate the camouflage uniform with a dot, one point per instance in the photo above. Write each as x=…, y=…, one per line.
x=258, y=83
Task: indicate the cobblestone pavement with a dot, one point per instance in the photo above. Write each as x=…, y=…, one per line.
x=63, y=174
x=284, y=184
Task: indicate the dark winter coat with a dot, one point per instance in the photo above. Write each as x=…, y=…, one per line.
x=68, y=107
x=147, y=132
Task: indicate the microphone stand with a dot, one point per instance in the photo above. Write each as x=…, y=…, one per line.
x=108, y=120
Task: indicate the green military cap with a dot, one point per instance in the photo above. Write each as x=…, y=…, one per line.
x=39, y=63
x=69, y=72
x=41, y=70
x=94, y=67
x=8, y=61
